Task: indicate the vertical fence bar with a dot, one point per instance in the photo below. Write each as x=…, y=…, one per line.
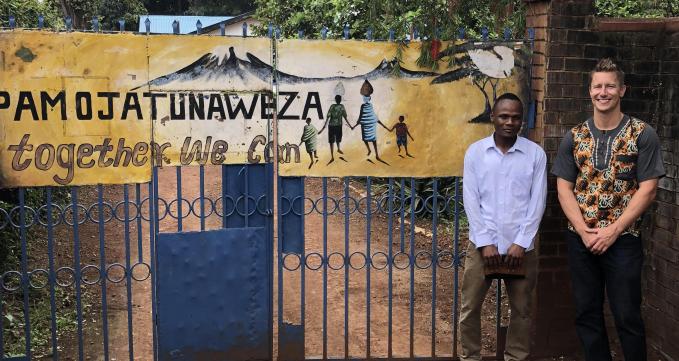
x=279, y=245
x=24, y=271
x=498, y=314
x=456, y=260
x=201, y=171
x=102, y=268
x=224, y=193
x=303, y=267
x=222, y=29
x=390, y=291
x=434, y=261
x=180, y=200
x=76, y=269
x=155, y=229
x=246, y=196
x=325, y=268
x=121, y=25
x=128, y=271
x=140, y=247
x=2, y=325
x=368, y=262
x=411, y=291
x=41, y=22
x=347, y=180
x=403, y=215
x=52, y=276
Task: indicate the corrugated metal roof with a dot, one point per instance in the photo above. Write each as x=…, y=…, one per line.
x=162, y=24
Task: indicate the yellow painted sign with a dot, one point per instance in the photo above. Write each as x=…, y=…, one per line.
x=79, y=108
x=372, y=115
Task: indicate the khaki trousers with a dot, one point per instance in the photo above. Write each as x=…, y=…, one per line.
x=474, y=289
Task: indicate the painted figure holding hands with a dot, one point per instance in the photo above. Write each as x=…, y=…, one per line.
x=368, y=121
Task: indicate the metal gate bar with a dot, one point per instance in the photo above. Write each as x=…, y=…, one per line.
x=369, y=206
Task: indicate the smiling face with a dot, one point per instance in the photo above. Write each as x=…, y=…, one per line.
x=507, y=118
x=605, y=90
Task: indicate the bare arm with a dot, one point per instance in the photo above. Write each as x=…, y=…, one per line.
x=637, y=205
x=571, y=209
x=411, y=137
x=323, y=127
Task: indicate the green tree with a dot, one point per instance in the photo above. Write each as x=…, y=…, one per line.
x=108, y=12
x=26, y=13
x=637, y=8
x=217, y=8
x=429, y=17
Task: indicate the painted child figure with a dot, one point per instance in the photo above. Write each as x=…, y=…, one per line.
x=309, y=135
x=402, y=135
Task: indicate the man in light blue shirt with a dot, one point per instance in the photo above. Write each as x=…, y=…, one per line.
x=505, y=189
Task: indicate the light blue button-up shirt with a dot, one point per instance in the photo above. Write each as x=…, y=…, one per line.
x=504, y=194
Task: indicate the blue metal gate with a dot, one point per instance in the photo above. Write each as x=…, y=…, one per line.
x=214, y=286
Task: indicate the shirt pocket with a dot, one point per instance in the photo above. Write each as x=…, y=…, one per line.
x=521, y=182
x=626, y=166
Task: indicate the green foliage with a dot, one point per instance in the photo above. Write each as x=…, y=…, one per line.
x=427, y=16
x=220, y=8
x=41, y=319
x=81, y=12
x=26, y=13
x=10, y=241
x=110, y=11
x=637, y=8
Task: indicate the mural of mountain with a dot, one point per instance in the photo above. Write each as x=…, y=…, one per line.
x=214, y=69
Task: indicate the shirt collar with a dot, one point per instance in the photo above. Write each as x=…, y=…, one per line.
x=489, y=142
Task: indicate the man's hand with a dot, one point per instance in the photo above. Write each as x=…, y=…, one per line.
x=605, y=239
x=514, y=256
x=588, y=236
x=491, y=256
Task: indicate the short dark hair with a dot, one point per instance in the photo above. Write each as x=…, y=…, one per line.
x=508, y=96
x=338, y=98
x=401, y=117
x=607, y=65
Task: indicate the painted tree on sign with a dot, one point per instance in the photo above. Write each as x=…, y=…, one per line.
x=484, y=65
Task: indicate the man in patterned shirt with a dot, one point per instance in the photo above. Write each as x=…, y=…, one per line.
x=607, y=172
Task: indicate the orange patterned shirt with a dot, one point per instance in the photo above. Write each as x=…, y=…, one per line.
x=603, y=194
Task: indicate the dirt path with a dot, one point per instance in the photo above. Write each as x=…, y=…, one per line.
x=422, y=289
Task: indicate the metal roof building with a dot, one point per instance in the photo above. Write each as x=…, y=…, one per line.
x=162, y=24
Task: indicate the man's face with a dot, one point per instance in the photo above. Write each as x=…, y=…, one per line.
x=507, y=117
x=605, y=91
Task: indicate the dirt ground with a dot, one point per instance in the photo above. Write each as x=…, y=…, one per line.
x=424, y=314
x=433, y=324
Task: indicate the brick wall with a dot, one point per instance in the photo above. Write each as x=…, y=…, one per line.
x=661, y=273
x=569, y=42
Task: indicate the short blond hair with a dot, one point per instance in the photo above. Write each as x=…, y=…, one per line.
x=607, y=65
